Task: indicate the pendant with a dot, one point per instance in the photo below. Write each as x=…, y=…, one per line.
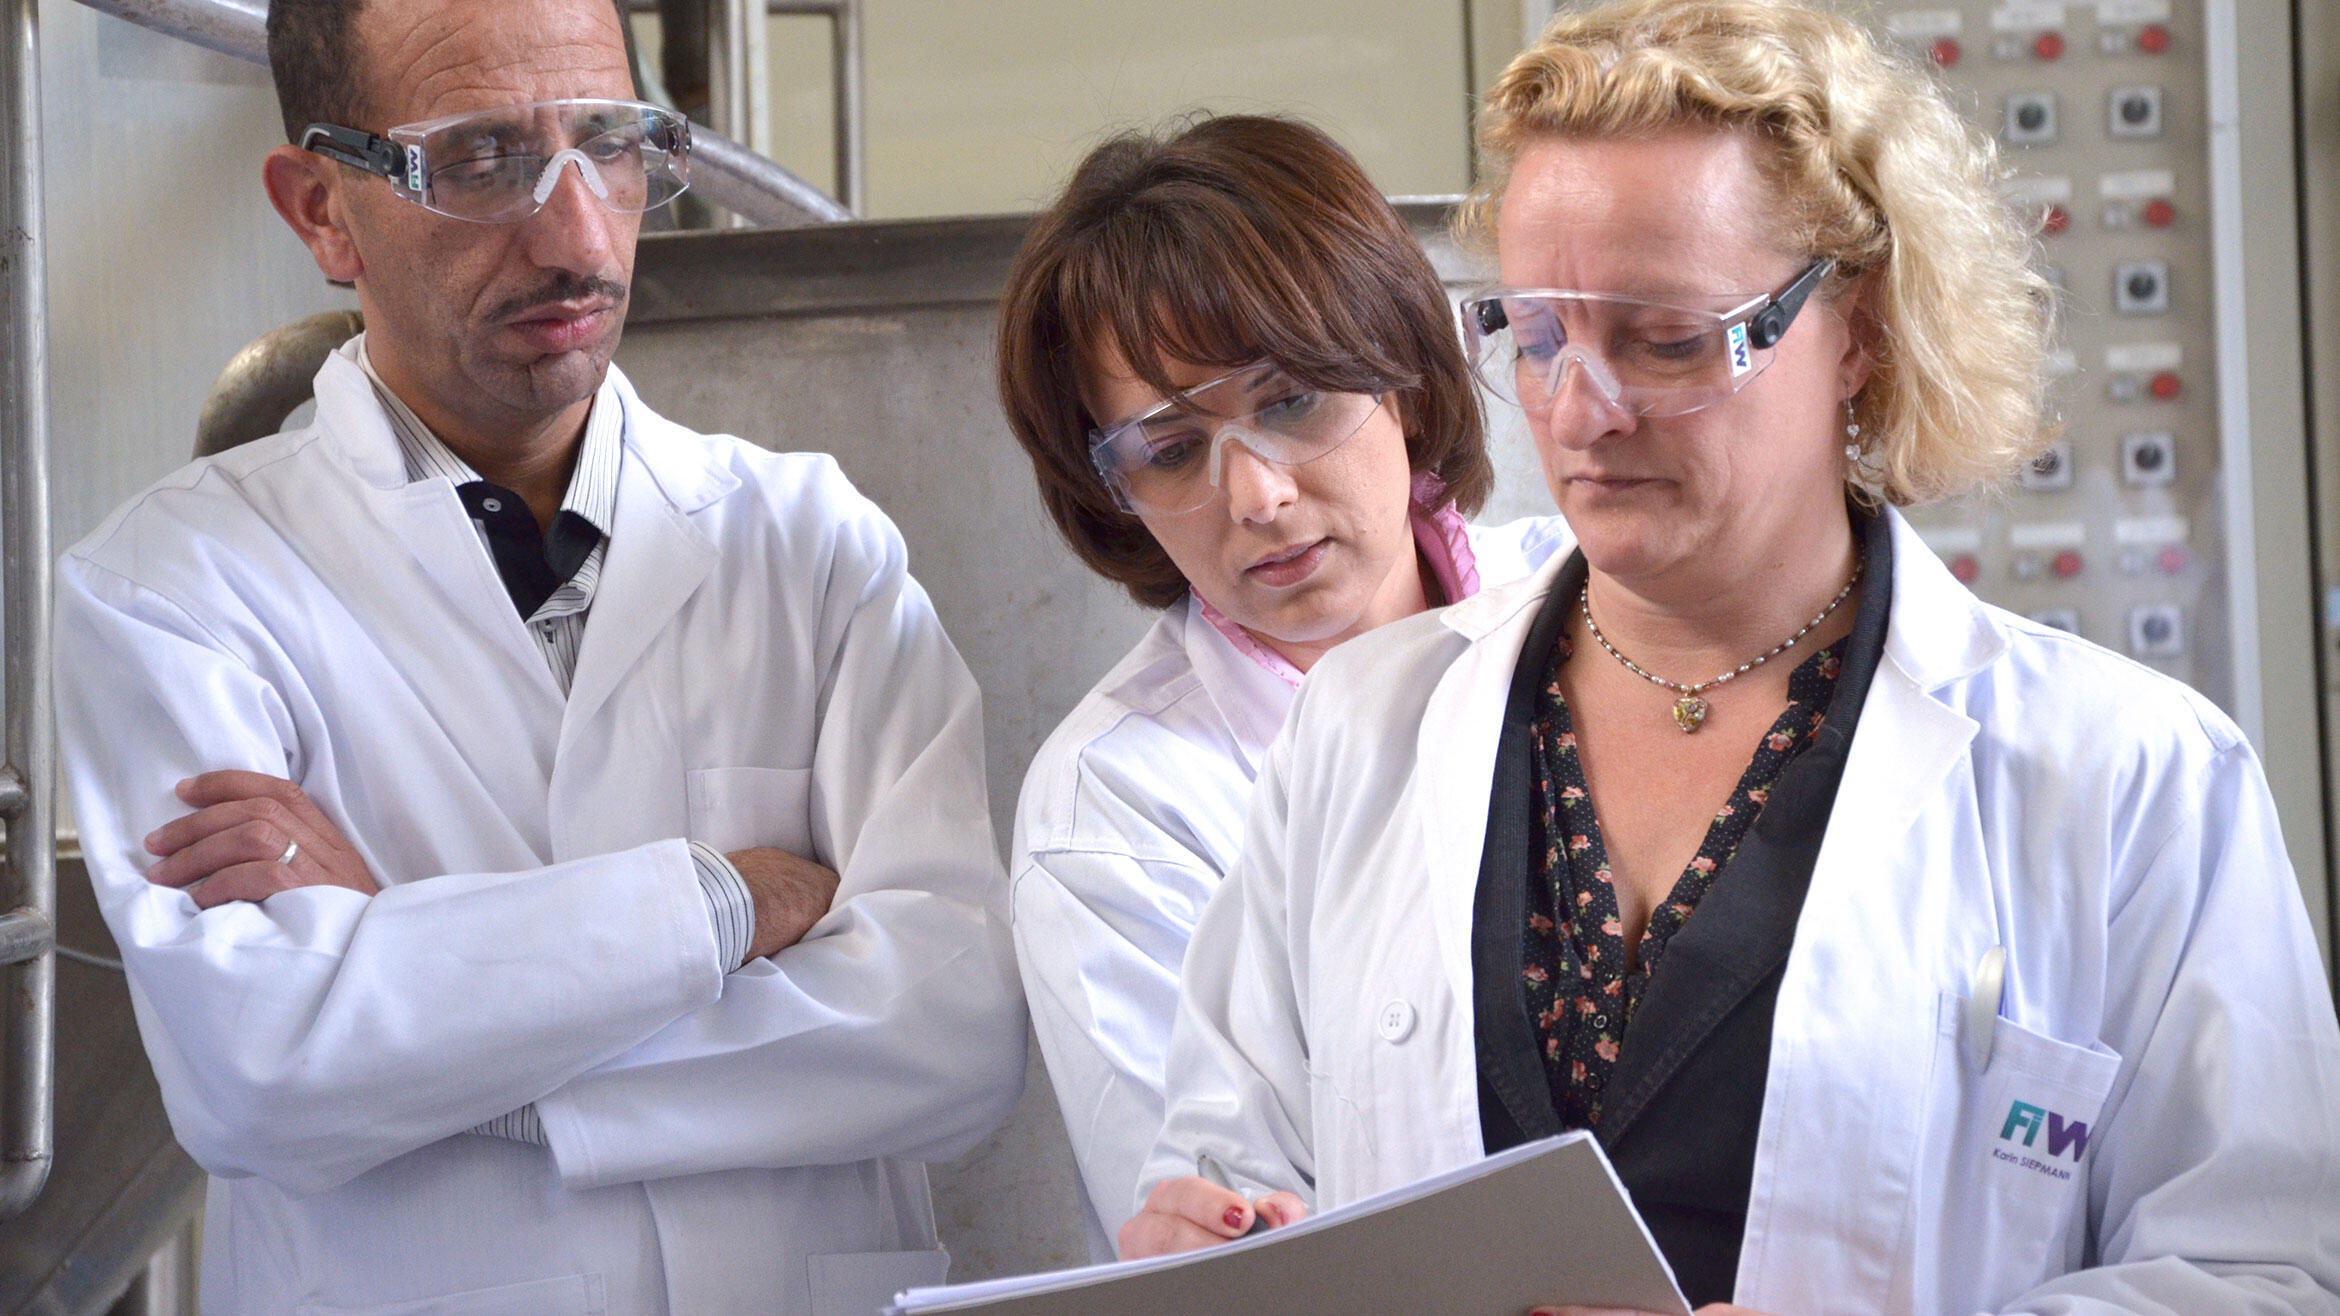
x=1689, y=713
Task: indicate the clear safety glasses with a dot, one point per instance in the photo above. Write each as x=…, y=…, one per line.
x=500, y=166
x=1169, y=459
x=1649, y=358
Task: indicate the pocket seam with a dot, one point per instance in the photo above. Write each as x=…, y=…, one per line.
x=2092, y=1068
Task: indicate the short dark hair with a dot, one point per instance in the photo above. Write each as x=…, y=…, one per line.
x=312, y=55
x=1230, y=240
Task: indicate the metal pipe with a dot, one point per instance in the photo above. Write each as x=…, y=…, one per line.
x=231, y=27
x=25, y=934
x=734, y=108
x=270, y=379
x=748, y=185
x=739, y=180
x=28, y=880
x=852, y=122
x=845, y=85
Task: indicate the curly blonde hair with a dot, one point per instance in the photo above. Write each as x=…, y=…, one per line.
x=1871, y=166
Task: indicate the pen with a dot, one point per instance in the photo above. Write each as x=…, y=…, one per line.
x=1208, y=1168
x=1985, y=1007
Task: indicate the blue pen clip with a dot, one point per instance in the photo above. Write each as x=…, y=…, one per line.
x=1985, y=1006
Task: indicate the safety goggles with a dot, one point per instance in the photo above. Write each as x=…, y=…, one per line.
x=500, y=166
x=1169, y=458
x=1649, y=358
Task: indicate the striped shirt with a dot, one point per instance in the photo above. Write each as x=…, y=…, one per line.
x=557, y=623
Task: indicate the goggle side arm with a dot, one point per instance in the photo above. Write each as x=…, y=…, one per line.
x=360, y=150
x=1771, y=323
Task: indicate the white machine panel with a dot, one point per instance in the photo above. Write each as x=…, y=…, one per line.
x=2120, y=531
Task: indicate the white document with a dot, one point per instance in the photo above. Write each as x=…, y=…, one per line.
x=1541, y=1224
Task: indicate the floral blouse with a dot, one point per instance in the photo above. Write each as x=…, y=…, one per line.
x=1579, y=992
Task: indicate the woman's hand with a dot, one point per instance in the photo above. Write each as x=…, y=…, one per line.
x=1710, y=1309
x=1183, y=1215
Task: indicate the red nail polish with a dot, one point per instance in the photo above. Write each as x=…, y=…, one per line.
x=1233, y=1217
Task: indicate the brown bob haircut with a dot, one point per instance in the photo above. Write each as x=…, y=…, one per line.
x=1229, y=240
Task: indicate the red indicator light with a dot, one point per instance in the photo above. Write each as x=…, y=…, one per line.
x=2173, y=560
x=2050, y=45
x=1965, y=568
x=2159, y=213
x=2154, y=40
x=2055, y=219
x=1947, y=52
x=2165, y=386
x=2067, y=563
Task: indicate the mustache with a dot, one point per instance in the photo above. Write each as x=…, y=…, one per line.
x=563, y=287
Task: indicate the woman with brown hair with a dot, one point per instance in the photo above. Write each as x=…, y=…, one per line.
x=1245, y=399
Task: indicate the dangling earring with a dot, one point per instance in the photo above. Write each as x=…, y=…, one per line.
x=1852, y=434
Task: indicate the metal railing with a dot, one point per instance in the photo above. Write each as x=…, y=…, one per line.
x=736, y=82
x=845, y=83
x=28, y=880
x=726, y=173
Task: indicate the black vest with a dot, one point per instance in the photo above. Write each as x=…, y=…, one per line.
x=1680, y=1118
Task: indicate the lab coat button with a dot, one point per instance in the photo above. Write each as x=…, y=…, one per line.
x=1397, y=1021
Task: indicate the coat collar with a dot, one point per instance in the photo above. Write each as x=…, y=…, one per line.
x=358, y=431
x=658, y=555
x=1506, y=608
x=1252, y=699
x=675, y=458
x=1940, y=632
x=354, y=427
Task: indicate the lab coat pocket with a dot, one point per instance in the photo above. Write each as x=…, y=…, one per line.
x=860, y=1283
x=2009, y=1195
x=736, y=809
x=569, y=1295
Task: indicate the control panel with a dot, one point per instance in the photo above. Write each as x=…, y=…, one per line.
x=2100, y=112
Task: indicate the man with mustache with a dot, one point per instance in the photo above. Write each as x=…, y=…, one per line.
x=548, y=846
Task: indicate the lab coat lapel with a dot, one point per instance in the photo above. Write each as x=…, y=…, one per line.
x=657, y=557
x=1253, y=700
x=426, y=518
x=1461, y=727
x=1845, y=1097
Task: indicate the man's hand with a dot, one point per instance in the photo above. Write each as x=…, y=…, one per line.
x=230, y=847
x=791, y=894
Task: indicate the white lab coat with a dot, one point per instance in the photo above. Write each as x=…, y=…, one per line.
x=2008, y=785
x=1131, y=813
x=759, y=669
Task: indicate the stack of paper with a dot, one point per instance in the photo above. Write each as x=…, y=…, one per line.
x=1546, y=1223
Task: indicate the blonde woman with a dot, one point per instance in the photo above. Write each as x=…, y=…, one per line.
x=1905, y=956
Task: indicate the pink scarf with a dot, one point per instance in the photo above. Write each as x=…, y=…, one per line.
x=1439, y=532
